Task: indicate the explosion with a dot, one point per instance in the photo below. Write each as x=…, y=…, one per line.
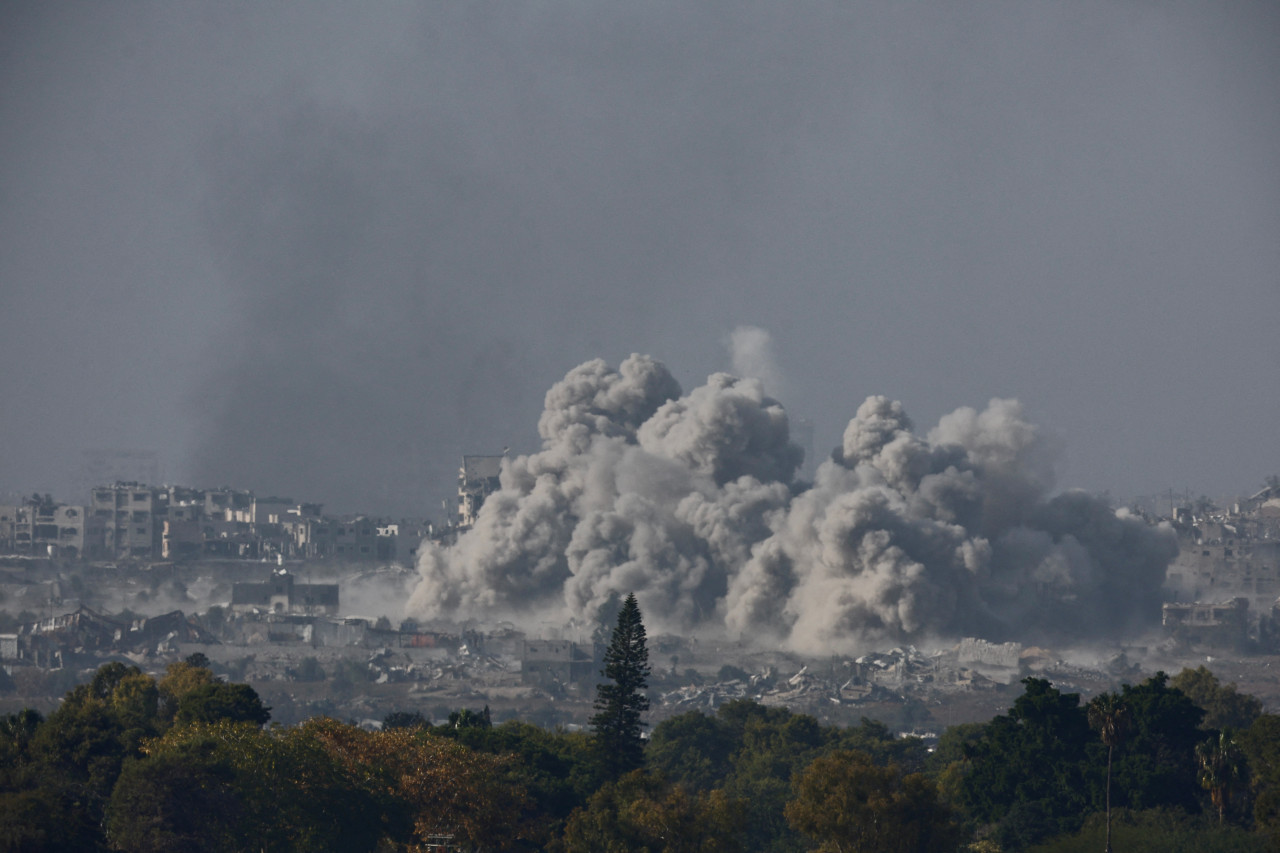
x=691, y=502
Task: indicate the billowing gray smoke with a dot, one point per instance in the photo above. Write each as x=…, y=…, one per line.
x=690, y=501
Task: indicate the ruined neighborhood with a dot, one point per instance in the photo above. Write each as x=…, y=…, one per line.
x=309, y=610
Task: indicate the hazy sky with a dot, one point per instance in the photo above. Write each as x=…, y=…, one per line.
x=325, y=249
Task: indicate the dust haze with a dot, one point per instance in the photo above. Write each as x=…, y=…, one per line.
x=690, y=500
x=322, y=251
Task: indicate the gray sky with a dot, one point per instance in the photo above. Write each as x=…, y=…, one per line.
x=325, y=249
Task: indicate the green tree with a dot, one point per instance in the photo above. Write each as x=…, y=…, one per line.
x=1223, y=706
x=1026, y=772
x=182, y=677
x=465, y=718
x=278, y=789
x=79, y=750
x=178, y=801
x=621, y=700
x=405, y=720
x=643, y=813
x=846, y=802
x=692, y=749
x=208, y=703
x=1261, y=746
x=1110, y=718
x=1222, y=770
x=1158, y=764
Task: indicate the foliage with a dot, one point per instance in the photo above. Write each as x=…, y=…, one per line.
x=846, y=802
x=729, y=672
x=693, y=750
x=1157, y=831
x=272, y=789
x=181, y=678
x=238, y=703
x=1222, y=770
x=557, y=769
x=752, y=751
x=1109, y=716
x=405, y=720
x=643, y=813
x=466, y=718
x=445, y=787
x=309, y=669
x=43, y=819
x=621, y=700
x=1157, y=766
x=1025, y=772
x=177, y=801
x=350, y=672
x=184, y=763
x=1261, y=747
x=81, y=747
x=1223, y=706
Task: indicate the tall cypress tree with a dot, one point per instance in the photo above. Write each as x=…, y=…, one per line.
x=621, y=699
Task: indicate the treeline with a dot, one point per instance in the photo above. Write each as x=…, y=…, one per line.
x=185, y=763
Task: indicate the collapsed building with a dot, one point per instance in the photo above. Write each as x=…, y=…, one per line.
x=86, y=635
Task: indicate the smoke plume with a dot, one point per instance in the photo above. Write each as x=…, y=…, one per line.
x=690, y=500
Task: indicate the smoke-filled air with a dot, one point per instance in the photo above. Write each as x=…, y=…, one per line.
x=691, y=500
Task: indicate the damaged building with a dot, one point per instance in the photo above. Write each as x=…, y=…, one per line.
x=547, y=663
x=87, y=635
x=1224, y=584
x=1223, y=625
x=41, y=527
x=478, y=478
x=281, y=594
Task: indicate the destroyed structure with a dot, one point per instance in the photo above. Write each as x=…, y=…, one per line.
x=41, y=527
x=281, y=594
x=559, y=663
x=477, y=479
x=87, y=636
x=1223, y=588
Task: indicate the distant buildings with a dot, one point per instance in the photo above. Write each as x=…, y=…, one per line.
x=130, y=520
x=1227, y=555
x=1225, y=582
x=135, y=521
x=42, y=528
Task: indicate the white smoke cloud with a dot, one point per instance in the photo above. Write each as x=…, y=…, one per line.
x=690, y=501
x=751, y=351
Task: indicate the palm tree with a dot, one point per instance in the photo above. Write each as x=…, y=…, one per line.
x=1221, y=769
x=1110, y=717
